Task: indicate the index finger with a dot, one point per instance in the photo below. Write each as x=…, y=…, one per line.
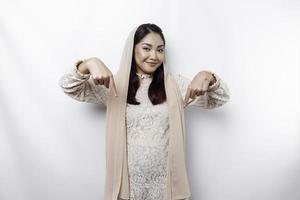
x=205, y=85
x=187, y=96
x=112, y=85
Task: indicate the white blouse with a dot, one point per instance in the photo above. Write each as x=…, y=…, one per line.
x=147, y=127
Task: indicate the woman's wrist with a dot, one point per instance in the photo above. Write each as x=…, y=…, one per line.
x=209, y=76
x=81, y=66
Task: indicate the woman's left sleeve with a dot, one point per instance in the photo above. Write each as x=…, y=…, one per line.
x=217, y=94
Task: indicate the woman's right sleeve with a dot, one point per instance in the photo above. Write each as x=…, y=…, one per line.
x=82, y=88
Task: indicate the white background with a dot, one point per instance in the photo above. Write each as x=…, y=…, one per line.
x=52, y=147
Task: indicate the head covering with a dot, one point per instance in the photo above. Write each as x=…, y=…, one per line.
x=116, y=181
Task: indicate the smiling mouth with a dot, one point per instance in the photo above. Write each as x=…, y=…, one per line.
x=152, y=63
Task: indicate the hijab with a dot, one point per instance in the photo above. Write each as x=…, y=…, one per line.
x=117, y=180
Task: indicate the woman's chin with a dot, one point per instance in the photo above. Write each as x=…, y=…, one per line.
x=150, y=70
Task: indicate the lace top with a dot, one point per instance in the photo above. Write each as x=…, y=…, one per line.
x=147, y=142
x=147, y=128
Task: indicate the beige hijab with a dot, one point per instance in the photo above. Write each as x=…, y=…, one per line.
x=117, y=182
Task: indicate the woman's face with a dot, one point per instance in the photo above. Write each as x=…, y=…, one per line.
x=149, y=53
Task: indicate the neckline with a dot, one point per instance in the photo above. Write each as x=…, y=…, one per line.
x=144, y=76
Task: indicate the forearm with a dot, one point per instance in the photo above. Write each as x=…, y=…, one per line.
x=79, y=86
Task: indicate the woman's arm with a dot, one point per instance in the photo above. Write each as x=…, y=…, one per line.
x=217, y=94
x=81, y=87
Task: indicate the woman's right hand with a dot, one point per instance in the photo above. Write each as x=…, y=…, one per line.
x=100, y=74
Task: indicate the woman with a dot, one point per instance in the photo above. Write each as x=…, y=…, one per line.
x=145, y=130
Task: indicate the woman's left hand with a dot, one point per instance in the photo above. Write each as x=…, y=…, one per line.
x=198, y=86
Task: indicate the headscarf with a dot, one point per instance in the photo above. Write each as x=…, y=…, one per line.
x=117, y=180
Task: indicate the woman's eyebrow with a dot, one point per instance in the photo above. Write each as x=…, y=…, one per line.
x=151, y=45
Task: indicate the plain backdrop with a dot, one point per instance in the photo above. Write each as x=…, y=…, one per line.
x=52, y=146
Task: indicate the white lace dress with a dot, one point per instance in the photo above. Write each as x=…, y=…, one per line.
x=147, y=128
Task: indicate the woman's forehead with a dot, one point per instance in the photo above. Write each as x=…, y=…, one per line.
x=152, y=39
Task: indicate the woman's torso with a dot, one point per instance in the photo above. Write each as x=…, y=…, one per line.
x=147, y=145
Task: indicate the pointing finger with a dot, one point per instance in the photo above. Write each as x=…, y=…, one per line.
x=205, y=86
x=187, y=96
x=193, y=94
x=188, y=103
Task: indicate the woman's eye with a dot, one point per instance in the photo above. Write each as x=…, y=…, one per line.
x=160, y=50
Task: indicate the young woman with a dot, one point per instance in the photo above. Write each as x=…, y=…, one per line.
x=145, y=132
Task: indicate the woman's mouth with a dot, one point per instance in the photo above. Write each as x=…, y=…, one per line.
x=152, y=64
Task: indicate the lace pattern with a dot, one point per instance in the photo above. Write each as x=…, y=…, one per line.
x=147, y=143
x=147, y=127
x=82, y=88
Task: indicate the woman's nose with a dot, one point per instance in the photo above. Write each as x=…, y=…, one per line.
x=153, y=55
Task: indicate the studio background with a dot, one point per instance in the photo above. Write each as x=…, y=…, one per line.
x=52, y=147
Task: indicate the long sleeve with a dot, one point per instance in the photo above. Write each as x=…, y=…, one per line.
x=217, y=95
x=82, y=88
